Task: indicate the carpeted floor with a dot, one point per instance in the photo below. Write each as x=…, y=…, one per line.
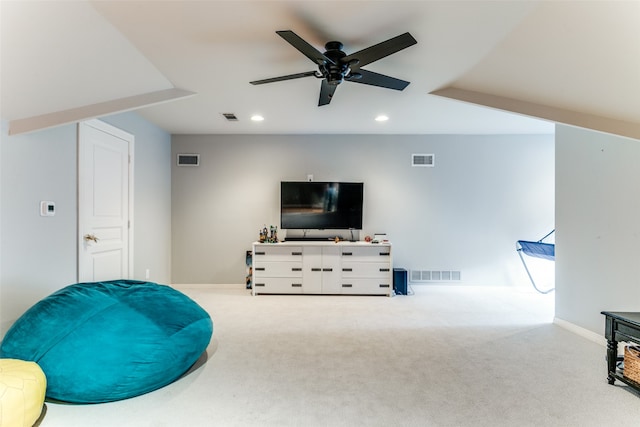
x=445, y=356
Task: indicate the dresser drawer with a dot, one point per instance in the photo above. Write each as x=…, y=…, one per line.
x=277, y=253
x=277, y=285
x=365, y=286
x=277, y=269
x=371, y=253
x=366, y=269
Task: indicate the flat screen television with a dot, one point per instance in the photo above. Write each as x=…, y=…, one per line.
x=321, y=205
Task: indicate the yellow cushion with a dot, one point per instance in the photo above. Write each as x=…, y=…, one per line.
x=22, y=389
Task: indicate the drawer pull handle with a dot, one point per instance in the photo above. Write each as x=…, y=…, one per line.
x=347, y=269
x=260, y=253
x=296, y=253
x=259, y=284
x=327, y=269
x=296, y=269
x=347, y=285
x=347, y=253
x=260, y=268
x=382, y=285
x=384, y=269
x=296, y=285
x=384, y=253
x=316, y=269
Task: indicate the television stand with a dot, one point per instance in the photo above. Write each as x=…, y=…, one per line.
x=325, y=267
x=308, y=239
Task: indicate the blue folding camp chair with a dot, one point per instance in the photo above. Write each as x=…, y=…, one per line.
x=537, y=249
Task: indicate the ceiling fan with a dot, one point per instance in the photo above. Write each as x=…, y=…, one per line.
x=335, y=66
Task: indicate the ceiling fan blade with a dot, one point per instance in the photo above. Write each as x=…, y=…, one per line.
x=376, y=79
x=326, y=93
x=281, y=78
x=309, y=51
x=381, y=50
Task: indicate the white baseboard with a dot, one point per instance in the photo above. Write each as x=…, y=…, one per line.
x=579, y=330
x=208, y=286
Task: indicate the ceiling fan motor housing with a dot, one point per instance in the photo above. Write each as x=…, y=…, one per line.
x=334, y=73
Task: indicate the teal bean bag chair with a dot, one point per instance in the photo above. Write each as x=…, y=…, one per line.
x=107, y=341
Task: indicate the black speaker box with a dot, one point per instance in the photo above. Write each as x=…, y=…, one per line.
x=400, y=281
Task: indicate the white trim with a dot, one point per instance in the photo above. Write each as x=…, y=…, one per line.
x=100, y=109
x=579, y=330
x=586, y=333
x=210, y=286
x=132, y=142
x=544, y=112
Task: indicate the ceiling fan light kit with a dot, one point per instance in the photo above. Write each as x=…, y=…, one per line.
x=335, y=66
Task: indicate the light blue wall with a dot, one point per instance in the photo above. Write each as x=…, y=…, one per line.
x=485, y=193
x=466, y=213
x=38, y=254
x=598, y=226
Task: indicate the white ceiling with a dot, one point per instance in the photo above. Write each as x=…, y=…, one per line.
x=575, y=55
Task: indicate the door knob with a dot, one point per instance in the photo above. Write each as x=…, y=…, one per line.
x=90, y=237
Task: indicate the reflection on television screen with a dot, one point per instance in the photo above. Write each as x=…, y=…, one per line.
x=321, y=205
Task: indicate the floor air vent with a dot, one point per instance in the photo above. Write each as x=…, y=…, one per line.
x=435, y=276
x=188, y=159
x=423, y=160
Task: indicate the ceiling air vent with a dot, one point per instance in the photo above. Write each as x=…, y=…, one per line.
x=188, y=159
x=423, y=160
x=230, y=116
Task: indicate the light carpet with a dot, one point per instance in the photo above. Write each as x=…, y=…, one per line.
x=444, y=356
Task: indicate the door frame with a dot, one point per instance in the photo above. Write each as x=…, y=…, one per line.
x=118, y=133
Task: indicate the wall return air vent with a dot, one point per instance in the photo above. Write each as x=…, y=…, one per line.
x=423, y=160
x=188, y=159
x=421, y=276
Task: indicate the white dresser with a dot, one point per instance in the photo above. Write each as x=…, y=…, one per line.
x=354, y=268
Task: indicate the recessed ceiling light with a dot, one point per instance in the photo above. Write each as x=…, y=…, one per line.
x=257, y=118
x=382, y=118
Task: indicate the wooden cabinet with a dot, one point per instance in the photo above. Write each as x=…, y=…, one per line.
x=322, y=268
x=620, y=327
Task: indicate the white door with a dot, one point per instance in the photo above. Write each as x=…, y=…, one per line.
x=105, y=202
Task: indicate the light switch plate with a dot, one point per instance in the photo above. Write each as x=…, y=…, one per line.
x=47, y=208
